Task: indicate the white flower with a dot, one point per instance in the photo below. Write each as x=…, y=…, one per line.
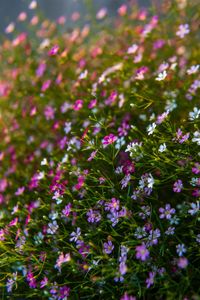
x=33, y=5
x=150, y=181
x=44, y=162
x=196, y=138
x=151, y=128
x=162, y=148
x=193, y=70
x=65, y=158
x=161, y=76
x=83, y=75
x=194, y=114
x=194, y=208
x=183, y=30
x=67, y=127
x=132, y=49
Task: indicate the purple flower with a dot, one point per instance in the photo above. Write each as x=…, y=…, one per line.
x=94, y=216
x=166, y=212
x=142, y=252
x=75, y=235
x=41, y=69
x=170, y=231
x=178, y=185
x=108, y=247
x=63, y=293
x=66, y=211
x=150, y=280
x=43, y=282
x=113, y=205
x=196, y=168
x=127, y=297
x=122, y=268
x=49, y=112
x=182, y=262
x=180, y=249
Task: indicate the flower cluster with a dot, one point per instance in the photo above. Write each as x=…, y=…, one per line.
x=99, y=157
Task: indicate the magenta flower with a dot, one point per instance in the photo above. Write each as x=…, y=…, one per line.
x=196, y=168
x=46, y=85
x=49, y=112
x=178, y=185
x=66, y=211
x=40, y=70
x=78, y=104
x=43, y=282
x=53, y=51
x=109, y=139
x=20, y=191
x=92, y=104
x=142, y=252
x=64, y=293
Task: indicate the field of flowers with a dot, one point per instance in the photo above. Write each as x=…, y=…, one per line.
x=99, y=155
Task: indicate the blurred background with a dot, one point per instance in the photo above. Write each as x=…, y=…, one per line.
x=10, y=9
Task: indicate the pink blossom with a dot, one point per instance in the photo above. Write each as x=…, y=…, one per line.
x=92, y=103
x=54, y=50
x=78, y=104
x=43, y=282
x=46, y=85
x=142, y=252
x=109, y=139
x=49, y=112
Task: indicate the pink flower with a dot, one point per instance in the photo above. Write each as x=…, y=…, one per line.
x=122, y=10
x=53, y=51
x=182, y=262
x=142, y=252
x=43, y=282
x=3, y=184
x=92, y=103
x=20, y=191
x=13, y=222
x=49, y=112
x=196, y=168
x=46, y=85
x=183, y=30
x=41, y=69
x=109, y=139
x=92, y=155
x=78, y=104
x=61, y=260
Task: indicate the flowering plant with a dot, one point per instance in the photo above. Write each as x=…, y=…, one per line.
x=99, y=173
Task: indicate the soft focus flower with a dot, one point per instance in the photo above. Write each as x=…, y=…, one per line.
x=142, y=252
x=109, y=139
x=178, y=185
x=108, y=247
x=183, y=30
